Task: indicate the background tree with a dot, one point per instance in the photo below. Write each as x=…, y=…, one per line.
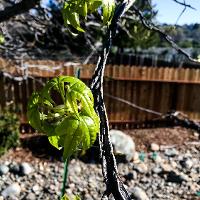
x=40, y=32
x=132, y=34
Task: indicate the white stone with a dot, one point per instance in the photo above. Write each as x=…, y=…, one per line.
x=196, y=134
x=158, y=159
x=171, y=152
x=12, y=190
x=155, y=147
x=26, y=168
x=140, y=194
x=122, y=143
x=173, y=164
x=141, y=168
x=136, y=157
x=166, y=167
x=36, y=188
x=188, y=164
x=3, y=169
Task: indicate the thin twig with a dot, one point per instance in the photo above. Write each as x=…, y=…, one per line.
x=151, y=26
x=184, y=9
x=184, y=4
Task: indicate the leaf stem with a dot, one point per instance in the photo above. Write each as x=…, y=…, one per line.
x=64, y=177
x=77, y=74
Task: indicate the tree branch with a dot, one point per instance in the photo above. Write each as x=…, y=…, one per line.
x=113, y=183
x=16, y=9
x=151, y=26
x=184, y=4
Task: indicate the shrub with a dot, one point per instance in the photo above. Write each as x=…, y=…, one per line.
x=9, y=131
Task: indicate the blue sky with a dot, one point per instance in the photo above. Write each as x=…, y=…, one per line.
x=168, y=12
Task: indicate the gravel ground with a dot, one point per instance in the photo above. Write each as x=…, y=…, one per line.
x=159, y=171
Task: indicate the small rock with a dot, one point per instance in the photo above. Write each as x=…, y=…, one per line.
x=155, y=147
x=3, y=169
x=31, y=196
x=25, y=168
x=131, y=176
x=15, y=169
x=196, y=134
x=136, y=157
x=77, y=169
x=184, y=177
x=88, y=197
x=173, y=164
x=166, y=167
x=36, y=188
x=173, y=177
x=12, y=190
x=195, y=177
x=123, y=144
x=158, y=159
x=187, y=163
x=52, y=187
x=141, y=168
x=140, y=194
x=157, y=170
x=171, y=152
x=194, y=187
x=72, y=186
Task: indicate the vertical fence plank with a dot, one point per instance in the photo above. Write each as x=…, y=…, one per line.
x=149, y=87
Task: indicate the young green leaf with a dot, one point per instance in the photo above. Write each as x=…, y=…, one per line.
x=72, y=123
x=108, y=10
x=73, y=9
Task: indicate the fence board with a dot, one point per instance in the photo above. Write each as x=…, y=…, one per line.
x=159, y=89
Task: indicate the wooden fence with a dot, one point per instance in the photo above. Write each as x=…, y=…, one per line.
x=157, y=88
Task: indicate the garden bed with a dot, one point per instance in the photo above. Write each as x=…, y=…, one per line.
x=172, y=172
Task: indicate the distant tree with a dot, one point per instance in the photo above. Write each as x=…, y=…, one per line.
x=186, y=36
x=48, y=33
x=133, y=34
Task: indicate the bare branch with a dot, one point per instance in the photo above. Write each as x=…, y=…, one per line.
x=184, y=9
x=151, y=26
x=184, y=4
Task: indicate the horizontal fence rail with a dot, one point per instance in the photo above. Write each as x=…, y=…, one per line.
x=156, y=88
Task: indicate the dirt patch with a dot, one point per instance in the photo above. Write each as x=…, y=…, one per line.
x=163, y=136
x=37, y=146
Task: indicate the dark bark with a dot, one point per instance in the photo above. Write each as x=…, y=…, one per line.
x=114, y=185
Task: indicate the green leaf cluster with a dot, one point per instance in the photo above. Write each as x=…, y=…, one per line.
x=9, y=131
x=74, y=10
x=64, y=110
